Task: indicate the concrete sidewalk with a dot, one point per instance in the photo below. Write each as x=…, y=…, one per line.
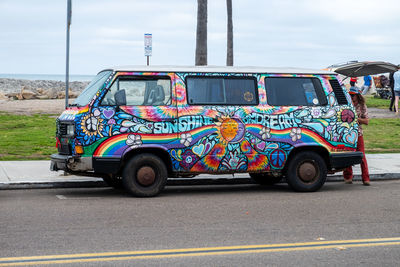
x=37, y=174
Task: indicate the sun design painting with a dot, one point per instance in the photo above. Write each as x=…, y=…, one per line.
x=232, y=130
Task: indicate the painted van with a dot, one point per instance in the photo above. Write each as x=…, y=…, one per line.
x=137, y=126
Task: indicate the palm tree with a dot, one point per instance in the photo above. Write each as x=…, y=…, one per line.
x=201, y=33
x=229, y=43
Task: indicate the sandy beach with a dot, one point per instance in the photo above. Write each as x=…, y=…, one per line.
x=33, y=106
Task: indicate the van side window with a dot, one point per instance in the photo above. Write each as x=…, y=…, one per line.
x=293, y=91
x=222, y=91
x=141, y=91
x=338, y=91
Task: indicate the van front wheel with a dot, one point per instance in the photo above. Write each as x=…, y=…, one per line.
x=306, y=172
x=145, y=175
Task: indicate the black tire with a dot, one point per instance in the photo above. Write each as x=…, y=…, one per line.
x=113, y=181
x=145, y=175
x=306, y=172
x=265, y=179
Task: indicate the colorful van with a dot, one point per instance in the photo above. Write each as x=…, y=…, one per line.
x=137, y=126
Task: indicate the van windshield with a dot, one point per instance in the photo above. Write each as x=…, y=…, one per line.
x=89, y=92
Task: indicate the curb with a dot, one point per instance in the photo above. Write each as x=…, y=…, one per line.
x=177, y=182
x=50, y=185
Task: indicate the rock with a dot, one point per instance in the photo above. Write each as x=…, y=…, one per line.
x=72, y=94
x=61, y=95
x=40, y=91
x=12, y=96
x=52, y=93
x=3, y=96
x=39, y=87
x=27, y=94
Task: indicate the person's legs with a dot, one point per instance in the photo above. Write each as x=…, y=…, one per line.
x=348, y=175
x=364, y=165
x=391, y=100
x=364, y=89
x=396, y=102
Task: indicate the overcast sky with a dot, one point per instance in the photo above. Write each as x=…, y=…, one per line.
x=272, y=33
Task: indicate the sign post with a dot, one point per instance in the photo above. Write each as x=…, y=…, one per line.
x=69, y=15
x=148, y=46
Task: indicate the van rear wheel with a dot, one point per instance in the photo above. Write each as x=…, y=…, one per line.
x=265, y=179
x=306, y=172
x=145, y=175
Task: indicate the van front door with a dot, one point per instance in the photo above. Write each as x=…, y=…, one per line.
x=139, y=112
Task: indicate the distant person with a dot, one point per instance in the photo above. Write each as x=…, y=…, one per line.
x=391, y=85
x=353, y=81
x=396, y=89
x=367, y=84
x=384, y=81
x=362, y=115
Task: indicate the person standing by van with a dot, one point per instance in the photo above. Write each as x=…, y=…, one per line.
x=362, y=115
x=367, y=84
x=396, y=77
x=391, y=85
x=353, y=81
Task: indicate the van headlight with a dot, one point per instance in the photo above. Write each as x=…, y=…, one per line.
x=70, y=130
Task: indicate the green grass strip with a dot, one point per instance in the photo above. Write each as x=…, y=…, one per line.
x=27, y=137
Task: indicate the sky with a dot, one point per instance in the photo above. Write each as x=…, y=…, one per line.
x=271, y=33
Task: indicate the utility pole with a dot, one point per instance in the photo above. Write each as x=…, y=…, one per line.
x=229, y=46
x=69, y=15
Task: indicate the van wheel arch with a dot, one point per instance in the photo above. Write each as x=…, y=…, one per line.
x=317, y=149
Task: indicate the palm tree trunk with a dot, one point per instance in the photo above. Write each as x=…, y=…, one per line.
x=229, y=44
x=201, y=34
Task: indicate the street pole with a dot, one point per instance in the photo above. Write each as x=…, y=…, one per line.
x=69, y=14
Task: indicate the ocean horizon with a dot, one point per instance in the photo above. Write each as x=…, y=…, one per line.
x=51, y=77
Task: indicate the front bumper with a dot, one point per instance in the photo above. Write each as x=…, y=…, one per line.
x=343, y=160
x=59, y=162
x=70, y=163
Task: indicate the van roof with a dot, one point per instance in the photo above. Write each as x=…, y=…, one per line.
x=219, y=69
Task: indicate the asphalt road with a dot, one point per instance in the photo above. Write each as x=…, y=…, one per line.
x=220, y=223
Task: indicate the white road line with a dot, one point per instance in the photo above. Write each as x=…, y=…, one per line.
x=62, y=197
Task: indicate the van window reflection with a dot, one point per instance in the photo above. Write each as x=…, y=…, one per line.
x=145, y=92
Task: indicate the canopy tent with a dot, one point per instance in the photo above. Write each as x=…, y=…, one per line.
x=358, y=69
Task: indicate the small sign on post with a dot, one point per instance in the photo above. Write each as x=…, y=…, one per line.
x=148, y=46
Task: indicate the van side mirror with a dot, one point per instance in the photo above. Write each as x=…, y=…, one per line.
x=120, y=98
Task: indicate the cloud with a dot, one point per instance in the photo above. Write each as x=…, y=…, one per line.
x=359, y=12
x=308, y=33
